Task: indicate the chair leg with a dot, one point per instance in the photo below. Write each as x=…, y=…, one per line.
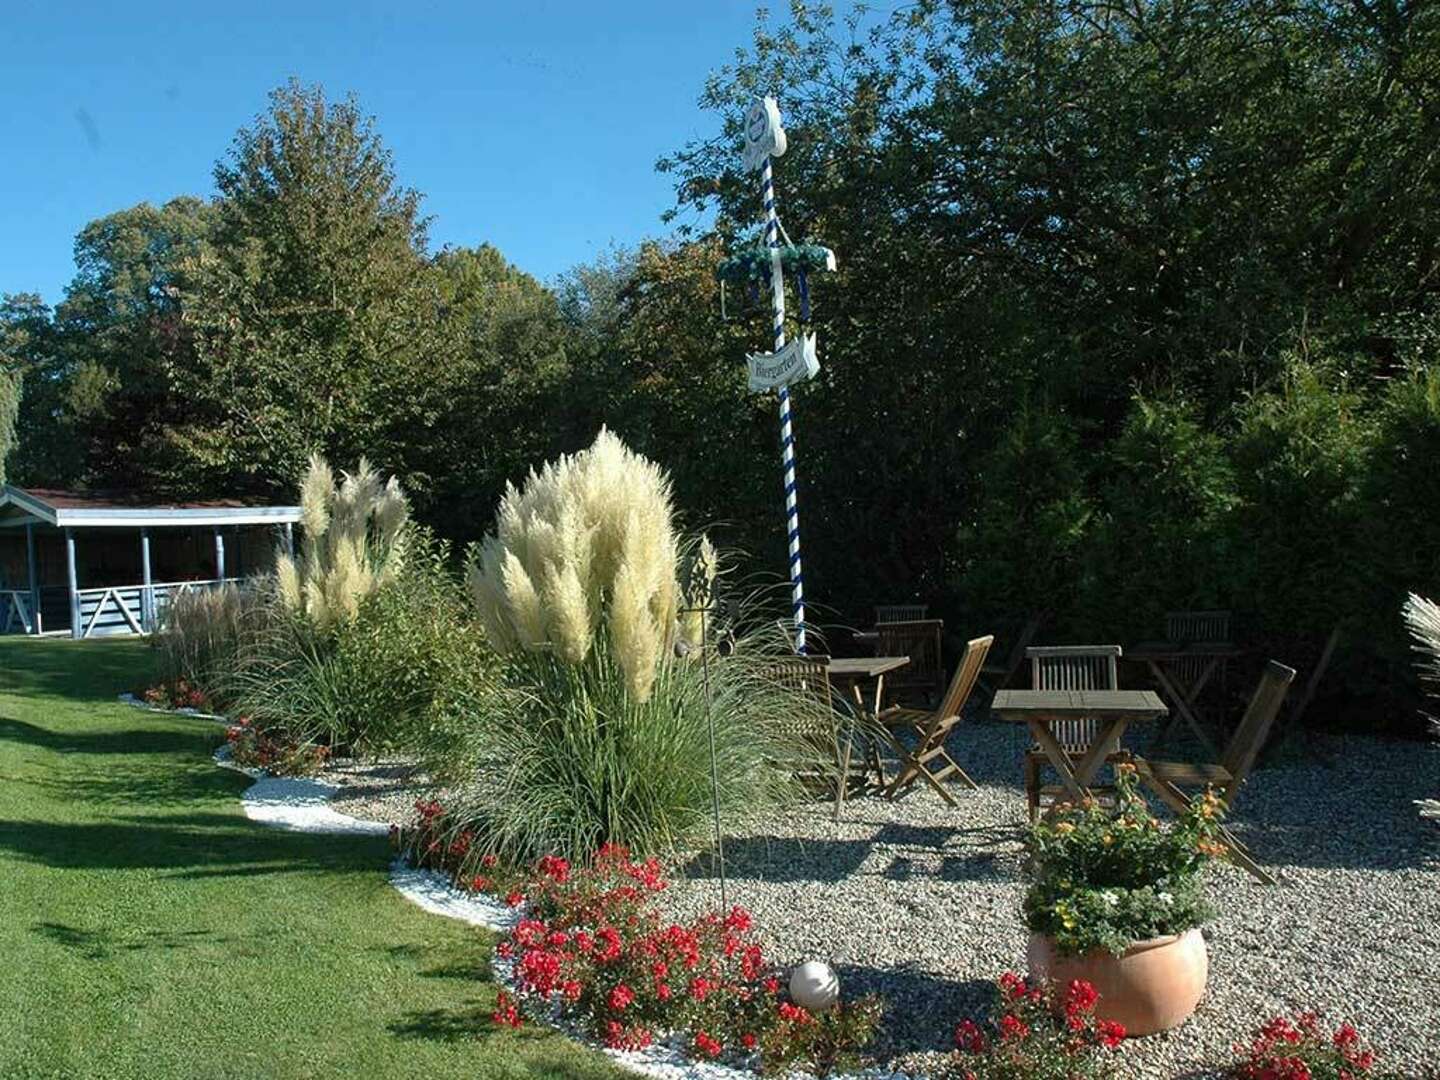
x=961, y=772
x=939, y=787
x=1032, y=788
x=1245, y=862
x=844, y=777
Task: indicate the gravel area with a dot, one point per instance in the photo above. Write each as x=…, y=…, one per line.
x=384, y=790
x=920, y=902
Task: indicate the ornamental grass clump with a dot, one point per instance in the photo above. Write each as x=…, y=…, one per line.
x=352, y=544
x=586, y=547
x=1422, y=618
x=203, y=633
x=1106, y=878
x=596, y=728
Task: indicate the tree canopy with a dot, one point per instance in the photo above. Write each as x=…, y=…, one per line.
x=1136, y=310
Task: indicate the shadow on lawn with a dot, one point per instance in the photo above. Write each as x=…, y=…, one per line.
x=74, y=670
x=187, y=846
x=199, y=741
x=200, y=782
x=103, y=943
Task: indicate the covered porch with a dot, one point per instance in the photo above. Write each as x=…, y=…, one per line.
x=96, y=564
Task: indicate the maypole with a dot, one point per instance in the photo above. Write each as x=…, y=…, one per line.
x=787, y=428
x=765, y=139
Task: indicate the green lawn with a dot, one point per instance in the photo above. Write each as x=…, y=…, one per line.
x=148, y=930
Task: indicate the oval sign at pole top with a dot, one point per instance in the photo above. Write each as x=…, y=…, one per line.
x=764, y=137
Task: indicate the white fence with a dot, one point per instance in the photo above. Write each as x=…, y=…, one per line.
x=131, y=609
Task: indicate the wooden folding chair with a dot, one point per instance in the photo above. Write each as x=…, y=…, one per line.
x=1165, y=777
x=923, y=678
x=999, y=675
x=900, y=612
x=1191, y=627
x=814, y=728
x=1197, y=626
x=1067, y=667
x=932, y=727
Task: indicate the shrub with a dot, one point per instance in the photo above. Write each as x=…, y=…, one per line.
x=1300, y=1049
x=1163, y=541
x=1105, y=879
x=1036, y=1037
x=373, y=681
x=592, y=945
x=594, y=730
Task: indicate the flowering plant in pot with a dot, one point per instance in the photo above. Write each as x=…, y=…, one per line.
x=1116, y=899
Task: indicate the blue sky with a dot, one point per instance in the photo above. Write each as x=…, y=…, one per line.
x=533, y=125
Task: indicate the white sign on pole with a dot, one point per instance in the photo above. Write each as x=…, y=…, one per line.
x=764, y=137
x=793, y=362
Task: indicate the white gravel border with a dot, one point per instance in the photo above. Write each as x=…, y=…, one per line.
x=300, y=805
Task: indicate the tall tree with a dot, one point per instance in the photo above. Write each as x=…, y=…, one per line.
x=311, y=311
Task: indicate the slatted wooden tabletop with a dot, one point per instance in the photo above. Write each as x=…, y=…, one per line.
x=865, y=667
x=1132, y=704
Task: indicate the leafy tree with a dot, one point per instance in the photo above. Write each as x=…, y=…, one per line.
x=311, y=310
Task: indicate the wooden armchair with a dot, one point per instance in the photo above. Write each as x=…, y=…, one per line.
x=814, y=730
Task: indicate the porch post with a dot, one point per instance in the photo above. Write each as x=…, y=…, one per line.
x=35, y=625
x=219, y=554
x=147, y=595
x=76, y=630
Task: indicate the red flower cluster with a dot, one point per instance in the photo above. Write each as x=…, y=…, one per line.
x=506, y=1013
x=593, y=942
x=1037, y=1033
x=274, y=750
x=1301, y=1049
x=180, y=694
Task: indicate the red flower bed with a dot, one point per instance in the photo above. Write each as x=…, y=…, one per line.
x=592, y=945
x=1036, y=1038
x=272, y=750
x=1300, y=1049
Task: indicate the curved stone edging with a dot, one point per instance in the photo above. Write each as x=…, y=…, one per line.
x=295, y=803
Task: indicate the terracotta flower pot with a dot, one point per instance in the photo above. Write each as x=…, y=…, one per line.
x=1153, y=986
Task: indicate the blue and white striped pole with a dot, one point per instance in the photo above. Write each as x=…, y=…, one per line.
x=787, y=431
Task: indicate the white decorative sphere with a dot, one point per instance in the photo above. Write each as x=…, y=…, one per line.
x=814, y=986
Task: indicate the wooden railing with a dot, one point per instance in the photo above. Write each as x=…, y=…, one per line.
x=131, y=609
